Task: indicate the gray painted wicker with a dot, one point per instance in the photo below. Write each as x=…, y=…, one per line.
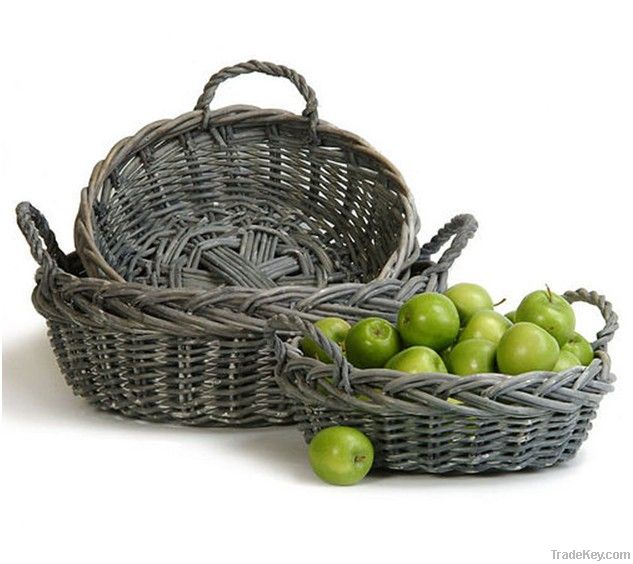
x=187, y=356
x=246, y=196
x=504, y=422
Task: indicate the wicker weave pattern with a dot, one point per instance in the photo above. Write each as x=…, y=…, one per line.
x=187, y=356
x=246, y=196
x=502, y=423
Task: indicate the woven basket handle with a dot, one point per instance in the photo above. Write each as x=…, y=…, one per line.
x=460, y=229
x=271, y=69
x=341, y=367
x=610, y=317
x=39, y=236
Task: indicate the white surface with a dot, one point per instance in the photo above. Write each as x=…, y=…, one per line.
x=520, y=113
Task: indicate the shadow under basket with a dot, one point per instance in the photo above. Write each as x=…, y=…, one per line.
x=190, y=356
x=443, y=423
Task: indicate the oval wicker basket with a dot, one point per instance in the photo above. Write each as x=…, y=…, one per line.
x=185, y=355
x=508, y=423
x=246, y=196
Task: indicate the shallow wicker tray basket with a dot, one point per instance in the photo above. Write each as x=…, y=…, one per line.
x=498, y=422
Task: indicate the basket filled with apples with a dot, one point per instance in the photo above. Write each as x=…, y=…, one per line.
x=444, y=383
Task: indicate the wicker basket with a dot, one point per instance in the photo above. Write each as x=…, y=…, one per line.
x=246, y=196
x=533, y=420
x=185, y=355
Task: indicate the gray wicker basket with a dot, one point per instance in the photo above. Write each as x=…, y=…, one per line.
x=186, y=355
x=246, y=196
x=508, y=423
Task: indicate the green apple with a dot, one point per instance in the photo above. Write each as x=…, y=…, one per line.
x=371, y=342
x=341, y=455
x=526, y=347
x=429, y=320
x=580, y=347
x=416, y=360
x=334, y=328
x=549, y=311
x=474, y=356
x=468, y=299
x=565, y=361
x=512, y=316
x=486, y=324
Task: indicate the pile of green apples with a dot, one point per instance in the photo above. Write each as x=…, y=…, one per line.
x=459, y=332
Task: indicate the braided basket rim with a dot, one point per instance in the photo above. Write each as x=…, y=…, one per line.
x=64, y=292
x=481, y=395
x=188, y=304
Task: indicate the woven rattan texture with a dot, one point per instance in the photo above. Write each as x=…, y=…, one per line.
x=249, y=197
x=188, y=356
x=442, y=423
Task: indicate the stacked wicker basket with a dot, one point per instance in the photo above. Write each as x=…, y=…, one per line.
x=205, y=242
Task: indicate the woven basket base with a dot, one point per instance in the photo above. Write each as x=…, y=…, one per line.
x=454, y=444
x=170, y=379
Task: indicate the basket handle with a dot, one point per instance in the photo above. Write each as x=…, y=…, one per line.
x=460, y=229
x=271, y=69
x=598, y=300
x=39, y=236
x=341, y=367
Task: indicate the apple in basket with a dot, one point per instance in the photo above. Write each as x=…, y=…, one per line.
x=371, y=342
x=334, y=328
x=428, y=320
x=580, y=348
x=549, y=311
x=526, y=347
x=486, y=324
x=469, y=299
x=415, y=360
x=566, y=360
x=472, y=356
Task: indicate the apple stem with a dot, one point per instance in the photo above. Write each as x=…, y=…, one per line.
x=359, y=458
x=499, y=303
x=549, y=293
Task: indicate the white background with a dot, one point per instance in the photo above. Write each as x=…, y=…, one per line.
x=518, y=112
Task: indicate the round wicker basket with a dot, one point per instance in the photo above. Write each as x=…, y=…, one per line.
x=246, y=196
x=442, y=423
x=192, y=356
